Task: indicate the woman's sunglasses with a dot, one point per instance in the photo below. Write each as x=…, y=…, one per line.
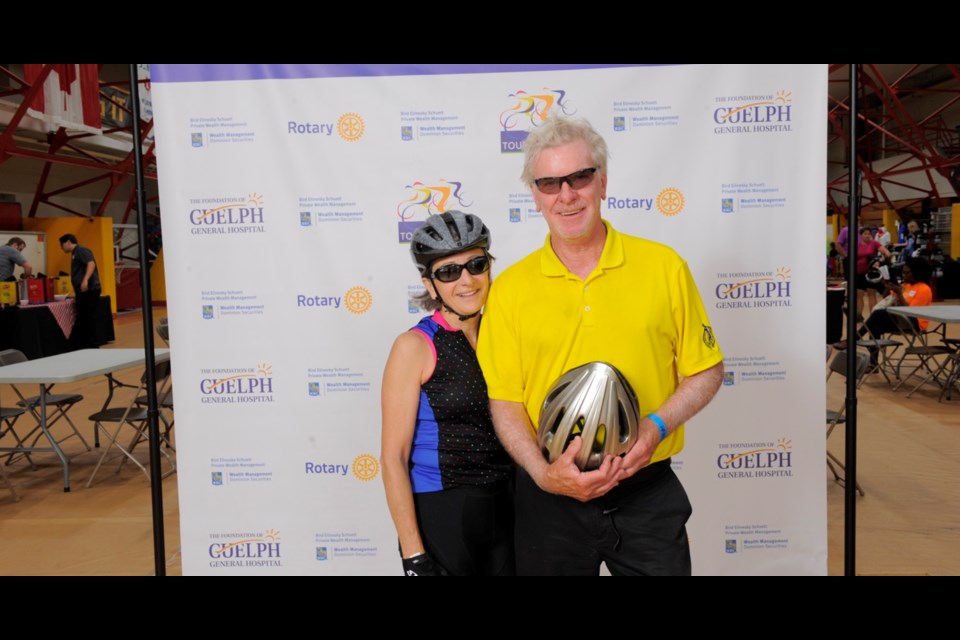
x=451, y=272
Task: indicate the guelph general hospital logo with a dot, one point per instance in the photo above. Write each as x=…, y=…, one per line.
x=749, y=114
x=237, y=385
x=753, y=289
x=227, y=215
x=755, y=459
x=245, y=549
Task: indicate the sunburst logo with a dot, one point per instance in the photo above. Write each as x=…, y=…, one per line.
x=350, y=126
x=358, y=300
x=365, y=467
x=670, y=201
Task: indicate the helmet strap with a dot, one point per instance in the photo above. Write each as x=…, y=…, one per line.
x=443, y=303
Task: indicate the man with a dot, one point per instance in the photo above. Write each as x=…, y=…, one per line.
x=86, y=287
x=593, y=294
x=11, y=255
x=843, y=239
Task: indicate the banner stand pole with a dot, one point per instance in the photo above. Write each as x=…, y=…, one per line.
x=153, y=413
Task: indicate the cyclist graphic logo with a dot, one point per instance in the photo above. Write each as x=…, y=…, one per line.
x=426, y=200
x=530, y=110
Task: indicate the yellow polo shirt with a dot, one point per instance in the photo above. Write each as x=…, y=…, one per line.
x=639, y=310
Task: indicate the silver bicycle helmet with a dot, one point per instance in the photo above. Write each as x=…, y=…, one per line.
x=445, y=234
x=593, y=401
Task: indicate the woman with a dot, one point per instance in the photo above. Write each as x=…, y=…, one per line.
x=867, y=248
x=445, y=472
x=915, y=292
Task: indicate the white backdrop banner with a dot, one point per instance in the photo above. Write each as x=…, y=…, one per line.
x=289, y=194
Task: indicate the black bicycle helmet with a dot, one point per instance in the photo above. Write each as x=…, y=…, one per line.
x=444, y=235
x=593, y=401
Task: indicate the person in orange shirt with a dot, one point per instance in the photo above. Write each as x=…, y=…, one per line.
x=915, y=292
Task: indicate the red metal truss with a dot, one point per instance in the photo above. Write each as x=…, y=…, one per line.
x=889, y=127
x=61, y=148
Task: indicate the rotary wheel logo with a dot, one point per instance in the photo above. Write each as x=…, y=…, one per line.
x=350, y=127
x=357, y=300
x=670, y=201
x=365, y=467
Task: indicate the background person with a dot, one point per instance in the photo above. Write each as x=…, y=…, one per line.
x=86, y=287
x=915, y=292
x=11, y=256
x=867, y=248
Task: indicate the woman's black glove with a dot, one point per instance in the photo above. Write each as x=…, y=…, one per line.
x=422, y=565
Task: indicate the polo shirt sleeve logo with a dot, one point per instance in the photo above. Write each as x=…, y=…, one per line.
x=708, y=338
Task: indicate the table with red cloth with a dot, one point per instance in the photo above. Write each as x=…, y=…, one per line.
x=40, y=330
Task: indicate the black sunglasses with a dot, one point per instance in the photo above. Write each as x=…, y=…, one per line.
x=576, y=180
x=451, y=272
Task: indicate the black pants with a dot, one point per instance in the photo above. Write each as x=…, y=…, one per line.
x=468, y=530
x=84, y=331
x=639, y=528
x=878, y=324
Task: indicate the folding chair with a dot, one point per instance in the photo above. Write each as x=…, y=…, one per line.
x=164, y=401
x=953, y=378
x=163, y=330
x=10, y=415
x=886, y=349
x=133, y=416
x=58, y=406
x=925, y=354
x=839, y=365
x=7, y=418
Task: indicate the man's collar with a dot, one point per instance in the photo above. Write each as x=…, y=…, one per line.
x=611, y=257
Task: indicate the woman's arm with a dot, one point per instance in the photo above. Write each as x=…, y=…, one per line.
x=409, y=365
x=896, y=290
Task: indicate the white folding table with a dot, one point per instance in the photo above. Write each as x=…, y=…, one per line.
x=63, y=368
x=944, y=314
